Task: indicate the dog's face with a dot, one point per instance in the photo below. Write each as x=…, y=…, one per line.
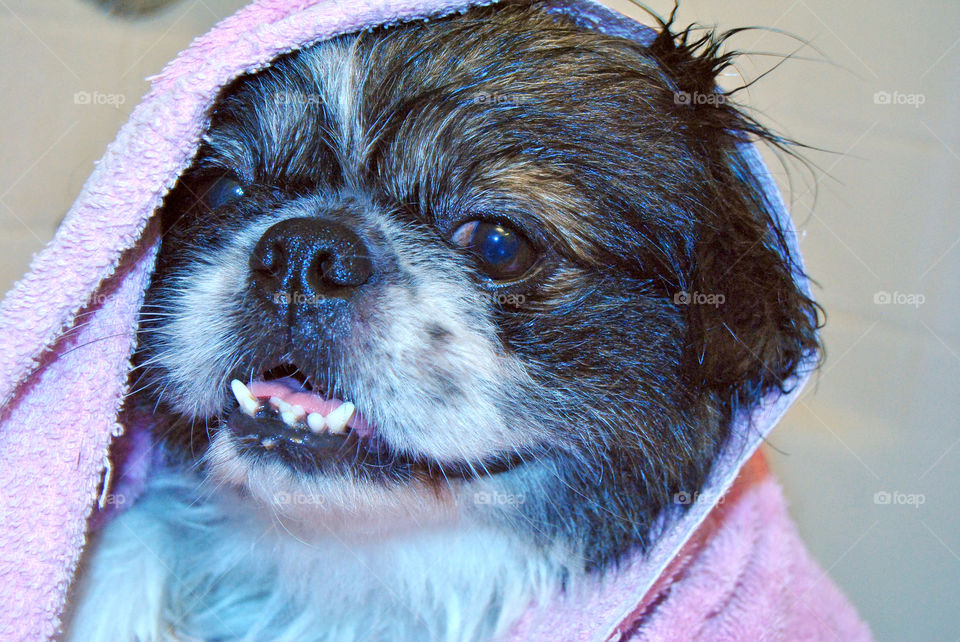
x=487, y=266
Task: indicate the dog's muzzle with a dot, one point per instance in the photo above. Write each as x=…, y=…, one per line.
x=301, y=270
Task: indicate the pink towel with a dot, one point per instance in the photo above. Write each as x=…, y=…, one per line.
x=732, y=571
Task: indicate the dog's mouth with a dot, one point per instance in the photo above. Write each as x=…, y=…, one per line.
x=288, y=414
x=286, y=411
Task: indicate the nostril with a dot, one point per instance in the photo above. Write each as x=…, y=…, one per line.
x=320, y=267
x=340, y=270
x=271, y=261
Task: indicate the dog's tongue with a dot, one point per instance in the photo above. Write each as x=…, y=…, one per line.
x=293, y=392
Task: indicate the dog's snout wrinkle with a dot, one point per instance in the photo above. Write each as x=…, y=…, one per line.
x=315, y=257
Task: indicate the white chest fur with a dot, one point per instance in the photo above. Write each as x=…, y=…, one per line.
x=189, y=564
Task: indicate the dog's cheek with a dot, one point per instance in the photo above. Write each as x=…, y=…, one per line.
x=431, y=369
x=606, y=367
x=603, y=340
x=425, y=357
x=196, y=341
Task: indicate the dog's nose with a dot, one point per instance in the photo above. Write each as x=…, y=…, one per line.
x=311, y=256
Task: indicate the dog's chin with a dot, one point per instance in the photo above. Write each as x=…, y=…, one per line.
x=328, y=500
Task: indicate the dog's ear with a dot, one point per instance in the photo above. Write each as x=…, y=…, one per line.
x=750, y=326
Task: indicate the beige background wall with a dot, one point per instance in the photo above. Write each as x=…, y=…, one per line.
x=881, y=417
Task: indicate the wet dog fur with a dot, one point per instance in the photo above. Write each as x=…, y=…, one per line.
x=527, y=431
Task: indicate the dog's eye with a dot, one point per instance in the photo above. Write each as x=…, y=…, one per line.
x=220, y=191
x=504, y=253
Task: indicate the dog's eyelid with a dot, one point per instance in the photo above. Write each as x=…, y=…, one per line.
x=516, y=220
x=209, y=166
x=217, y=190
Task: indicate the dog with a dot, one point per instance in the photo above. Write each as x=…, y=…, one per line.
x=445, y=315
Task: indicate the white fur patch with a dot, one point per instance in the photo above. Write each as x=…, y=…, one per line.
x=187, y=563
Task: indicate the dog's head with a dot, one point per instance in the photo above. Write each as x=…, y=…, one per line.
x=493, y=266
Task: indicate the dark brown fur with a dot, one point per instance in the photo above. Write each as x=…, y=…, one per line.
x=630, y=197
